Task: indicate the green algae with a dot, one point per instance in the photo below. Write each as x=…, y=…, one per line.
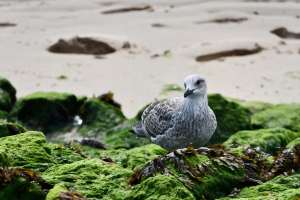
x=231, y=117
x=45, y=111
x=160, y=187
x=121, y=136
x=132, y=159
x=206, y=174
x=279, y=188
x=10, y=128
x=268, y=140
x=294, y=143
x=30, y=150
x=93, y=178
x=7, y=94
x=99, y=117
x=282, y=115
x=55, y=192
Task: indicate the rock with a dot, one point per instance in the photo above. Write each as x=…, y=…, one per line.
x=132, y=159
x=93, y=178
x=7, y=95
x=282, y=115
x=30, y=150
x=81, y=45
x=122, y=136
x=99, y=117
x=18, y=183
x=206, y=173
x=161, y=187
x=231, y=117
x=45, y=111
x=279, y=188
x=267, y=140
x=9, y=128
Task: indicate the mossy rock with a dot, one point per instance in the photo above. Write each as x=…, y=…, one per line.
x=268, y=140
x=293, y=144
x=279, y=188
x=253, y=106
x=30, y=150
x=207, y=175
x=231, y=117
x=21, y=188
x=132, y=159
x=93, y=178
x=54, y=193
x=45, y=111
x=99, y=117
x=122, y=136
x=282, y=115
x=7, y=95
x=160, y=187
x=9, y=128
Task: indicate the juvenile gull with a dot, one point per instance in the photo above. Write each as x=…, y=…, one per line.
x=180, y=121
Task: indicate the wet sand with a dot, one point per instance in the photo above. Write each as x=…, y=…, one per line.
x=165, y=39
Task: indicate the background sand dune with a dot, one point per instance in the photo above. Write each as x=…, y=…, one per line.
x=165, y=38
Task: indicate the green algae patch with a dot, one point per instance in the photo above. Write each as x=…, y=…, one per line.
x=121, y=136
x=206, y=173
x=30, y=150
x=268, y=140
x=282, y=115
x=7, y=95
x=160, y=187
x=231, y=117
x=279, y=188
x=293, y=144
x=93, y=178
x=132, y=159
x=45, y=111
x=253, y=106
x=10, y=128
x=99, y=117
x=54, y=193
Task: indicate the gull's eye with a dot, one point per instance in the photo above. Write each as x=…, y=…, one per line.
x=198, y=82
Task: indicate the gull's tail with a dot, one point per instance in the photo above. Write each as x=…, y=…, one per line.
x=138, y=129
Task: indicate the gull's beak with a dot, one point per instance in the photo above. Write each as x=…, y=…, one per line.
x=188, y=92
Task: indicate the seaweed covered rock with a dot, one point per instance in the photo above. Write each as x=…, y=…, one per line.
x=98, y=117
x=7, y=95
x=231, y=117
x=30, y=150
x=45, y=111
x=9, y=128
x=282, y=115
x=122, y=136
x=131, y=159
x=93, y=178
x=206, y=173
x=279, y=188
x=18, y=183
x=268, y=140
x=161, y=187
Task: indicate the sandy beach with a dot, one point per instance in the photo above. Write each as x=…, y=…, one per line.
x=165, y=40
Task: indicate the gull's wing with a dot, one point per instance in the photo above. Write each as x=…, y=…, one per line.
x=159, y=116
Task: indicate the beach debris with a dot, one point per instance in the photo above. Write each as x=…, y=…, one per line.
x=92, y=143
x=224, y=20
x=81, y=45
x=129, y=9
x=109, y=98
x=7, y=24
x=158, y=25
x=283, y=32
x=229, y=53
x=62, y=77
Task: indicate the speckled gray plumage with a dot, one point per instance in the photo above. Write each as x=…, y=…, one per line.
x=177, y=122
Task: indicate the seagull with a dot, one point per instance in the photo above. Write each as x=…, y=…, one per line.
x=179, y=122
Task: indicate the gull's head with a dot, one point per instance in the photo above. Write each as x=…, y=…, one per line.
x=195, y=86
